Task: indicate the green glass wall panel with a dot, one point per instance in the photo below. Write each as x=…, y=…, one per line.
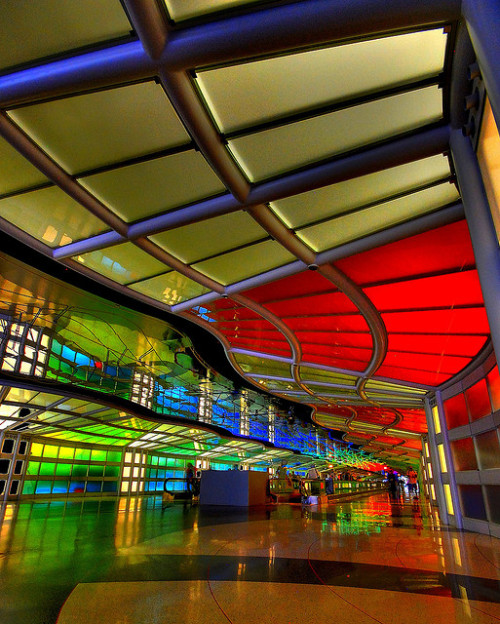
x=98, y=455
x=33, y=468
x=63, y=470
x=82, y=454
x=29, y=487
x=112, y=471
x=80, y=470
x=96, y=471
x=47, y=468
x=114, y=456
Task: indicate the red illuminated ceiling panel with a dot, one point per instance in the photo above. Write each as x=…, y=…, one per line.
x=464, y=345
x=460, y=321
x=444, y=249
x=304, y=284
x=455, y=289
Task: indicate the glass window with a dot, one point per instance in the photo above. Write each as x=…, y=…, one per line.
x=488, y=450
x=471, y=501
x=478, y=400
x=8, y=446
x=492, y=497
x=455, y=411
x=462, y=452
x=488, y=155
x=493, y=380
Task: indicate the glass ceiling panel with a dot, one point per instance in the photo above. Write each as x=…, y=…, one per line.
x=242, y=263
x=96, y=129
x=183, y=9
x=306, y=80
x=349, y=227
x=252, y=364
x=16, y=173
x=51, y=216
x=48, y=27
x=170, y=288
x=338, y=198
x=123, y=263
x=210, y=237
x=271, y=152
x=318, y=375
x=147, y=188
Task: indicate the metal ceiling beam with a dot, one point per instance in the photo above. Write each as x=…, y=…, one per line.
x=442, y=217
x=297, y=25
x=150, y=24
x=190, y=109
x=424, y=143
x=127, y=62
x=37, y=157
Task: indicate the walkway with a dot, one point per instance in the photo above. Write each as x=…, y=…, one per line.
x=128, y=561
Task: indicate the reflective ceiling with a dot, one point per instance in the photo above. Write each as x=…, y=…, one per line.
x=276, y=172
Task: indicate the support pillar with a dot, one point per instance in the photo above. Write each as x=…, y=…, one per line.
x=481, y=228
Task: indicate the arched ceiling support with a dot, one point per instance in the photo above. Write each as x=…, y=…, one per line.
x=367, y=309
x=463, y=57
x=299, y=24
x=150, y=24
x=277, y=230
x=186, y=102
x=37, y=157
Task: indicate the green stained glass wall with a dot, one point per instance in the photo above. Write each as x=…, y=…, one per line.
x=57, y=470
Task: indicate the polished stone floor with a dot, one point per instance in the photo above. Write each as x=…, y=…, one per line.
x=131, y=561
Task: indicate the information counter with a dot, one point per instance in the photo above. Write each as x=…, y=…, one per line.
x=234, y=488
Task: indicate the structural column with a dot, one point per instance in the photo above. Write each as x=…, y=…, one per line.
x=481, y=228
x=483, y=23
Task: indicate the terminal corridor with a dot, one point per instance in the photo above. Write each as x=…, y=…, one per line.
x=136, y=560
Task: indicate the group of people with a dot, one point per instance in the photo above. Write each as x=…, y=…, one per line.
x=394, y=483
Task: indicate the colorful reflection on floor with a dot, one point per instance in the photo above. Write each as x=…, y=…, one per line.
x=134, y=560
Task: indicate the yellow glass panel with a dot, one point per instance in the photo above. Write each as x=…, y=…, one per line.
x=433, y=492
x=304, y=80
x=123, y=263
x=155, y=186
x=48, y=27
x=442, y=458
x=16, y=173
x=322, y=203
x=51, y=216
x=170, y=288
x=436, y=419
x=318, y=375
x=206, y=238
x=242, y=263
x=99, y=128
x=272, y=152
x=488, y=154
x=252, y=364
x=343, y=229
x=448, y=499
x=427, y=453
